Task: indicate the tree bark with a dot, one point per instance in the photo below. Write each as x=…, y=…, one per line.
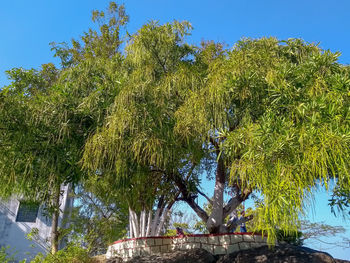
x=186, y=196
x=131, y=232
x=55, y=215
x=160, y=207
x=143, y=223
x=149, y=223
x=162, y=220
x=134, y=223
x=216, y=218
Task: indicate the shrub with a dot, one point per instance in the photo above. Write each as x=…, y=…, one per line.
x=73, y=253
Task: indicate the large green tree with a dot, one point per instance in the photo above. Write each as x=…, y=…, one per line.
x=268, y=116
x=47, y=114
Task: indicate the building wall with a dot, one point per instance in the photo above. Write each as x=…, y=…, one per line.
x=217, y=244
x=14, y=233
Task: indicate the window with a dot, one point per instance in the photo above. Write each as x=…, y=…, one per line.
x=27, y=212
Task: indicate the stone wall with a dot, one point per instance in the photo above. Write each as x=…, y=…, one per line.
x=217, y=244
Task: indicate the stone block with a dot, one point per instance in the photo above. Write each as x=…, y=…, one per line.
x=155, y=249
x=172, y=247
x=214, y=240
x=145, y=251
x=181, y=246
x=178, y=240
x=260, y=239
x=135, y=252
x=248, y=238
x=167, y=241
x=116, y=246
x=149, y=242
x=208, y=248
x=132, y=244
x=190, y=239
x=219, y=250
x=124, y=245
x=203, y=240
x=224, y=240
x=158, y=241
x=140, y=242
x=192, y=245
x=232, y=248
x=236, y=239
x=255, y=244
x=164, y=249
x=244, y=245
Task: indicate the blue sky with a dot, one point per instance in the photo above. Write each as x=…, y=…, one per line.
x=27, y=28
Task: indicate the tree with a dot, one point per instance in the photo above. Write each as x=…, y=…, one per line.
x=99, y=219
x=146, y=62
x=47, y=114
x=268, y=116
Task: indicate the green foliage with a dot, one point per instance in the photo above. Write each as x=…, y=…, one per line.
x=73, y=253
x=293, y=238
x=340, y=200
x=274, y=114
x=4, y=255
x=99, y=219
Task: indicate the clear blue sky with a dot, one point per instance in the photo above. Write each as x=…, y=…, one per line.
x=27, y=28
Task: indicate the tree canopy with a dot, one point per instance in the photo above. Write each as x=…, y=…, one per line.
x=150, y=114
x=268, y=116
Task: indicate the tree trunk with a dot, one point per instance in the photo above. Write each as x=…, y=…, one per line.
x=216, y=219
x=148, y=231
x=56, y=212
x=156, y=217
x=135, y=223
x=162, y=220
x=131, y=232
x=143, y=223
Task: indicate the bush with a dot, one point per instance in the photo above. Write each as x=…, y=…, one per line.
x=290, y=238
x=73, y=253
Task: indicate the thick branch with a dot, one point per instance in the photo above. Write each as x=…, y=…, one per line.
x=188, y=198
x=205, y=196
x=234, y=222
x=216, y=145
x=236, y=201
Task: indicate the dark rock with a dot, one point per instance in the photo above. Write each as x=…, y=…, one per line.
x=188, y=256
x=114, y=260
x=278, y=254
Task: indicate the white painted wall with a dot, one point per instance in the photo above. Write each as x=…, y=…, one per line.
x=14, y=233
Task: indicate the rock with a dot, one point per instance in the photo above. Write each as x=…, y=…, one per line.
x=189, y=256
x=278, y=254
x=114, y=260
x=99, y=259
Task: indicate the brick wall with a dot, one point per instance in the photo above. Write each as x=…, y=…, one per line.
x=217, y=244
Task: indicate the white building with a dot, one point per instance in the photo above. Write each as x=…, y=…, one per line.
x=18, y=218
